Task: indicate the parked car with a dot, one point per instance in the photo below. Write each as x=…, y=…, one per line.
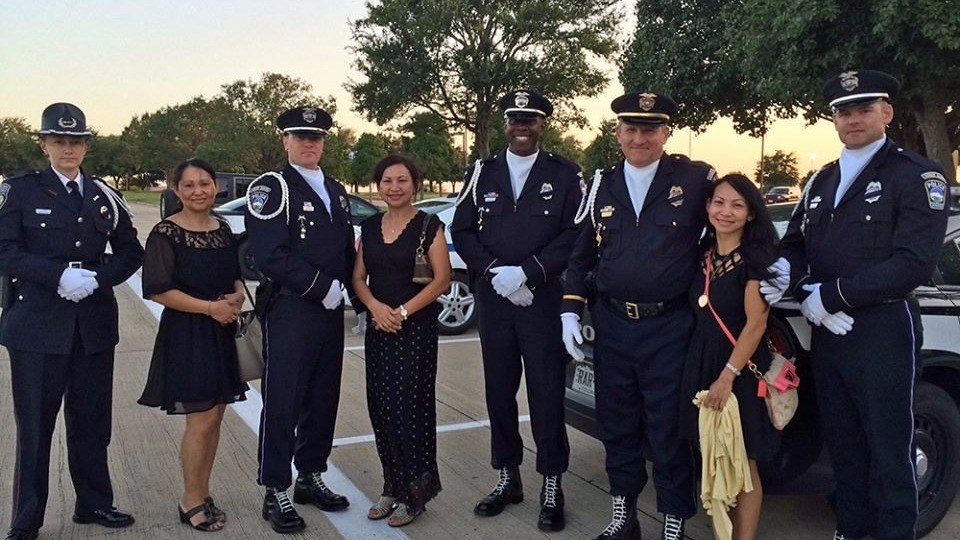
x=780, y=194
x=936, y=398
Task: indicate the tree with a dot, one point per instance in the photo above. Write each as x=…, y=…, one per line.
x=113, y=156
x=720, y=58
x=369, y=150
x=429, y=144
x=603, y=151
x=336, y=154
x=19, y=150
x=456, y=59
x=779, y=169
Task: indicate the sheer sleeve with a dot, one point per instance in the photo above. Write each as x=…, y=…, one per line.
x=159, y=261
x=434, y=224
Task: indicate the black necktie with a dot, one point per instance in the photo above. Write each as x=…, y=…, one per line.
x=75, y=195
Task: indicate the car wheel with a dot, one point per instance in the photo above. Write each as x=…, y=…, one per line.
x=248, y=268
x=936, y=434
x=457, y=308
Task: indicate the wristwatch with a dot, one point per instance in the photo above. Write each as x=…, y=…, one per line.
x=403, y=312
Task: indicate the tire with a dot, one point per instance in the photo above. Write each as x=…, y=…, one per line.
x=936, y=434
x=248, y=268
x=457, y=307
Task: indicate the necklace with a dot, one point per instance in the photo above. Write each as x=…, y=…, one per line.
x=393, y=226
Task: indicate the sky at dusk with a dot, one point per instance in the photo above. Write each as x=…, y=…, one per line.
x=116, y=59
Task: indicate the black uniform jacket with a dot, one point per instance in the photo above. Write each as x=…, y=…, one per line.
x=314, y=248
x=536, y=232
x=647, y=259
x=40, y=233
x=880, y=242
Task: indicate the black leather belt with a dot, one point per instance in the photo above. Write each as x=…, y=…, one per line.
x=88, y=265
x=639, y=310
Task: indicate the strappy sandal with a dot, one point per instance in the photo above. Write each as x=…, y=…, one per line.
x=212, y=523
x=403, y=516
x=382, y=508
x=212, y=507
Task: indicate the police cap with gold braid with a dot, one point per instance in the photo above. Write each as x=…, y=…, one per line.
x=644, y=108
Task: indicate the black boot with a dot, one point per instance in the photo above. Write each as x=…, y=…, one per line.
x=838, y=536
x=278, y=510
x=672, y=527
x=509, y=490
x=311, y=489
x=624, y=524
x=551, y=505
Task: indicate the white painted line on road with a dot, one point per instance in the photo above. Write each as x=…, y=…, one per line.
x=358, y=348
x=360, y=439
x=353, y=522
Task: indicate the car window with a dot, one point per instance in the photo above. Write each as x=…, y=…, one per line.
x=949, y=264
x=361, y=209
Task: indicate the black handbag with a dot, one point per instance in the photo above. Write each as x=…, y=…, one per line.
x=422, y=271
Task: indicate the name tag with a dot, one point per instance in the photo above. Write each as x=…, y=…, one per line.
x=42, y=211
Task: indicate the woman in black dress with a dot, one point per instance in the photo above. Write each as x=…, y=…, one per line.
x=401, y=348
x=738, y=246
x=191, y=268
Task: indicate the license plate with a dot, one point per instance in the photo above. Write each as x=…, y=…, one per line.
x=583, y=379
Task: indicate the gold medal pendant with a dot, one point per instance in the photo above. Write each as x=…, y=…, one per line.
x=702, y=301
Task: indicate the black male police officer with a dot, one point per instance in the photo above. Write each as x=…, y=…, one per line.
x=514, y=228
x=60, y=326
x=634, y=261
x=867, y=231
x=301, y=237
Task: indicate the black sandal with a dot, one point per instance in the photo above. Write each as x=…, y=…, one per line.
x=212, y=506
x=212, y=523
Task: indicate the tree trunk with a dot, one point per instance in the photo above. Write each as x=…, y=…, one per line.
x=930, y=117
x=482, y=142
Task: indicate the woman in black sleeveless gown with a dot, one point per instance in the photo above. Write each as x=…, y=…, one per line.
x=401, y=346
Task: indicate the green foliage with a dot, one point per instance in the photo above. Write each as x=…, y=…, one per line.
x=429, y=144
x=553, y=139
x=456, y=58
x=113, y=156
x=336, y=153
x=19, y=150
x=369, y=150
x=779, y=169
x=603, y=151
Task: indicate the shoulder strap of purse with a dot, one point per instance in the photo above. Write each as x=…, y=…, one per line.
x=726, y=331
x=423, y=233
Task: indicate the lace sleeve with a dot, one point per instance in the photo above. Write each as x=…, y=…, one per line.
x=159, y=261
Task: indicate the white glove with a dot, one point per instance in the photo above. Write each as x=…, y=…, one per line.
x=812, y=308
x=507, y=279
x=361, y=327
x=84, y=290
x=522, y=297
x=772, y=289
x=572, y=336
x=73, y=279
x=839, y=323
x=333, y=298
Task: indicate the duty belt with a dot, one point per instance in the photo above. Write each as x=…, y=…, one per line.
x=640, y=310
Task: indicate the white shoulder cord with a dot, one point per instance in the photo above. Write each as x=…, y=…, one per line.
x=471, y=186
x=806, y=190
x=114, y=199
x=588, y=200
x=284, y=198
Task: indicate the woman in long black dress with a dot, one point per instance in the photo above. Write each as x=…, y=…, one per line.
x=401, y=348
x=738, y=246
x=191, y=267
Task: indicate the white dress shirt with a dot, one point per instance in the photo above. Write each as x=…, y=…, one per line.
x=314, y=178
x=519, y=167
x=638, y=182
x=852, y=162
x=64, y=180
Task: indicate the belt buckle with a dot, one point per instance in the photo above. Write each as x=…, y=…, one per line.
x=75, y=264
x=633, y=310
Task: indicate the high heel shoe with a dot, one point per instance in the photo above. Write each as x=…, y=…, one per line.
x=382, y=508
x=402, y=515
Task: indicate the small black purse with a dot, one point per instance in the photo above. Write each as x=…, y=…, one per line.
x=422, y=271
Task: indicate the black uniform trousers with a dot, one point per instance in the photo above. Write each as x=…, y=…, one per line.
x=533, y=333
x=84, y=383
x=865, y=383
x=303, y=356
x=638, y=366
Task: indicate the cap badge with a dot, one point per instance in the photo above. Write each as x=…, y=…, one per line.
x=849, y=81
x=546, y=191
x=522, y=99
x=647, y=101
x=676, y=196
x=67, y=123
x=309, y=115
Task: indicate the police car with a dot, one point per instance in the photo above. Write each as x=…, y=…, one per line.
x=936, y=398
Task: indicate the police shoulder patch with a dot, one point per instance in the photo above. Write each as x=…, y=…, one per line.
x=936, y=190
x=4, y=190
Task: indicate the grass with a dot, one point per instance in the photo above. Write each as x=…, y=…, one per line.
x=145, y=197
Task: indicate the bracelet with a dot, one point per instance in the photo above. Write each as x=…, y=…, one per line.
x=733, y=368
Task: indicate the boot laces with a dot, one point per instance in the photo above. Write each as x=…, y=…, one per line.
x=502, y=482
x=550, y=491
x=317, y=482
x=619, y=516
x=838, y=536
x=283, y=502
x=672, y=527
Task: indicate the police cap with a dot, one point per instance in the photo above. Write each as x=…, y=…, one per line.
x=525, y=104
x=644, y=108
x=305, y=120
x=64, y=119
x=863, y=86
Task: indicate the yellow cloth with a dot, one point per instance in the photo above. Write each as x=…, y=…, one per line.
x=726, y=472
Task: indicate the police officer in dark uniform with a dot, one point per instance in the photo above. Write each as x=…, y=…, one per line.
x=633, y=262
x=60, y=322
x=867, y=231
x=514, y=228
x=302, y=240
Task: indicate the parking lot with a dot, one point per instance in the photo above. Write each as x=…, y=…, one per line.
x=147, y=481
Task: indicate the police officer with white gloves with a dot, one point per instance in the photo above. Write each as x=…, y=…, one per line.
x=867, y=231
x=61, y=324
x=514, y=228
x=301, y=237
x=634, y=262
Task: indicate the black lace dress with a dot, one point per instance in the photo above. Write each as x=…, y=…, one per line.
x=402, y=367
x=710, y=351
x=194, y=364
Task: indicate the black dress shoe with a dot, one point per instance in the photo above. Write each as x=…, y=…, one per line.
x=509, y=490
x=279, y=511
x=22, y=534
x=108, y=517
x=551, y=505
x=310, y=489
x=624, y=524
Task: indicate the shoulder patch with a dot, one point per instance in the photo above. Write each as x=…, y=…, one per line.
x=4, y=190
x=936, y=189
x=258, y=193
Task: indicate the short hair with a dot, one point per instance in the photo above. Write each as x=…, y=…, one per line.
x=397, y=159
x=192, y=162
